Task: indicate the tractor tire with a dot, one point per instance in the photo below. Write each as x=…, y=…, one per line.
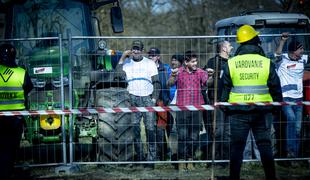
x=115, y=141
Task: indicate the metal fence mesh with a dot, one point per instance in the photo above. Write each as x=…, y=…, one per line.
x=85, y=82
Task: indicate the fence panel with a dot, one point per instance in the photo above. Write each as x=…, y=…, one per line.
x=43, y=140
x=94, y=124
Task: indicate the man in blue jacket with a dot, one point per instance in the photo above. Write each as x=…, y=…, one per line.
x=164, y=119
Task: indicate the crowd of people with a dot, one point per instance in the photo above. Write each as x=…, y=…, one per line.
x=247, y=76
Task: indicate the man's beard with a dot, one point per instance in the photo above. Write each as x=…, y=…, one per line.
x=137, y=58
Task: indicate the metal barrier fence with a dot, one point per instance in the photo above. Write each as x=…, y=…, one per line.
x=78, y=116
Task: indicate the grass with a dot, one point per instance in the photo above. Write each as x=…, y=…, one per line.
x=249, y=171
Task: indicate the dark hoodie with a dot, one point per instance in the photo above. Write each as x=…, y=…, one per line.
x=273, y=82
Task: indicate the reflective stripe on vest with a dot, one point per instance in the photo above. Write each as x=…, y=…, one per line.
x=11, y=88
x=250, y=89
x=249, y=74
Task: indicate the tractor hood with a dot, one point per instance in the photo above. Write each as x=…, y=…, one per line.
x=44, y=63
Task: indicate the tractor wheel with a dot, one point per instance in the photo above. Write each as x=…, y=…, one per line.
x=115, y=133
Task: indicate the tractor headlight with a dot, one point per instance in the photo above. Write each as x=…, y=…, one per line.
x=102, y=44
x=38, y=83
x=57, y=83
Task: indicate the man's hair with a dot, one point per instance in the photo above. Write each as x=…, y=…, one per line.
x=178, y=57
x=294, y=45
x=220, y=45
x=189, y=55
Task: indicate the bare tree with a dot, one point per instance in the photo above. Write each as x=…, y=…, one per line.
x=201, y=15
x=144, y=17
x=187, y=17
x=296, y=6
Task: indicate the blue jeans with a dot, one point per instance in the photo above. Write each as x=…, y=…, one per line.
x=293, y=130
x=222, y=136
x=260, y=124
x=150, y=125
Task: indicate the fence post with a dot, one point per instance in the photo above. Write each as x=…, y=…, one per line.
x=70, y=100
x=64, y=148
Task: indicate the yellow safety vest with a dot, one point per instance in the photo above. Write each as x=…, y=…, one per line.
x=249, y=74
x=11, y=88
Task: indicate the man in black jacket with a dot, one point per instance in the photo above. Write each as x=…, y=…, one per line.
x=215, y=68
x=250, y=77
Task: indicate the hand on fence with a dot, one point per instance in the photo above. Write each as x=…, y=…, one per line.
x=285, y=36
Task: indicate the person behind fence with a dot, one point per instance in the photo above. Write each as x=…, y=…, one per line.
x=15, y=84
x=190, y=81
x=290, y=68
x=216, y=65
x=143, y=86
x=250, y=77
x=175, y=63
x=164, y=119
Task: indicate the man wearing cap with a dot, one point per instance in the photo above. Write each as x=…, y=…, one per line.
x=290, y=69
x=164, y=119
x=143, y=86
x=250, y=77
x=164, y=72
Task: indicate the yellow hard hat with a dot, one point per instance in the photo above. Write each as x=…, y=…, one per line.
x=246, y=33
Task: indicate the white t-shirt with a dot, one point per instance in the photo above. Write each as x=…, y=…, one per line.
x=174, y=100
x=291, y=75
x=139, y=76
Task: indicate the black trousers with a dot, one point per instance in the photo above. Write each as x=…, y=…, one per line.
x=11, y=128
x=188, y=127
x=260, y=124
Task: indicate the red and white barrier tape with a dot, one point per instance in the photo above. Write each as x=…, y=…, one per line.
x=108, y=110
x=307, y=103
x=143, y=109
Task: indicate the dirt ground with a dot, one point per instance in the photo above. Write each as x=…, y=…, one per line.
x=250, y=170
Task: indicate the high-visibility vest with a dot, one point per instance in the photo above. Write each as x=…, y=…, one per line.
x=11, y=88
x=249, y=74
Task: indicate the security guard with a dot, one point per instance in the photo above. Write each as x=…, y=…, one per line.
x=15, y=84
x=250, y=77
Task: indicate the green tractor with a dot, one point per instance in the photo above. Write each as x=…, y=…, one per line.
x=69, y=74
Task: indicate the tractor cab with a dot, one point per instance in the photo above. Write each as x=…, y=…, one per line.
x=53, y=43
